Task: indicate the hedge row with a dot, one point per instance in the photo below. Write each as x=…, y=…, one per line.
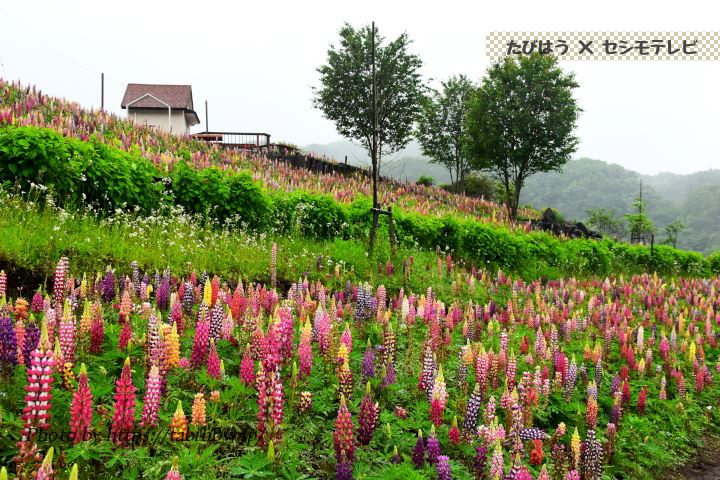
x=82, y=172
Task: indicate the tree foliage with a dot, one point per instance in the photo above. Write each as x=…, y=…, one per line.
x=607, y=222
x=345, y=92
x=521, y=121
x=641, y=227
x=442, y=129
x=672, y=232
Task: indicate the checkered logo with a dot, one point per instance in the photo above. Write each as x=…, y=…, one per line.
x=674, y=46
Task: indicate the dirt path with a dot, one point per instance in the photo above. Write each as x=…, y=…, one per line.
x=705, y=467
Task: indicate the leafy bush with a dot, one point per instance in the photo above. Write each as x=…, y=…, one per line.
x=77, y=172
x=224, y=196
x=311, y=215
x=714, y=261
x=425, y=180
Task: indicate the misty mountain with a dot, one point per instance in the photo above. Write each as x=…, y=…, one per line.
x=584, y=184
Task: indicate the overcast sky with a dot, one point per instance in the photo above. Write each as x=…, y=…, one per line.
x=255, y=62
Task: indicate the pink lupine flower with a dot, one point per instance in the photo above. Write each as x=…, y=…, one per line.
x=46, y=471
x=305, y=350
x=36, y=413
x=247, y=368
x=151, y=403
x=346, y=338
x=213, y=363
x=198, y=357
x=270, y=406
x=66, y=334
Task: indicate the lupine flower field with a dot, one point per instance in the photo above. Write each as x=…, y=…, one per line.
x=159, y=344
x=139, y=371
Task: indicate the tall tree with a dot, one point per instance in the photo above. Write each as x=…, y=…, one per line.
x=441, y=128
x=641, y=227
x=521, y=121
x=345, y=94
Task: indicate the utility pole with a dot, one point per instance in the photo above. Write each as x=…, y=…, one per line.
x=373, y=150
x=102, y=91
x=207, y=127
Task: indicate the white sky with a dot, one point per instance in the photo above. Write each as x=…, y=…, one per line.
x=255, y=62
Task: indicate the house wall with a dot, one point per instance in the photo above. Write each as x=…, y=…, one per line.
x=159, y=118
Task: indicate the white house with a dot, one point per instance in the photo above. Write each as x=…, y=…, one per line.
x=167, y=107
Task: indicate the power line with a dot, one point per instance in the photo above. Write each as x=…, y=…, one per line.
x=54, y=50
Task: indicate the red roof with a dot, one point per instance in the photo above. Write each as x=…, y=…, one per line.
x=140, y=95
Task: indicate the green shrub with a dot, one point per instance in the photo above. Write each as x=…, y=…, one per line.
x=225, y=196
x=311, y=215
x=77, y=172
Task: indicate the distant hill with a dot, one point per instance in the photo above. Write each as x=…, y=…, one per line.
x=408, y=164
x=584, y=184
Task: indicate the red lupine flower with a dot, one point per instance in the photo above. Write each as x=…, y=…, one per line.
x=124, y=414
x=125, y=335
x=97, y=330
x=591, y=413
x=536, y=455
x=642, y=400
x=368, y=417
x=454, y=432
x=81, y=409
x=343, y=437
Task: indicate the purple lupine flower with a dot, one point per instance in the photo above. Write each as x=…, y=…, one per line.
x=443, y=467
x=162, y=296
x=368, y=362
x=472, y=410
x=8, y=343
x=433, y=448
x=529, y=434
x=32, y=338
x=343, y=471
x=418, y=453
x=216, y=319
x=107, y=287
x=480, y=462
x=389, y=375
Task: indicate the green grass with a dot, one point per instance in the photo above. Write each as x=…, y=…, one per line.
x=36, y=234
